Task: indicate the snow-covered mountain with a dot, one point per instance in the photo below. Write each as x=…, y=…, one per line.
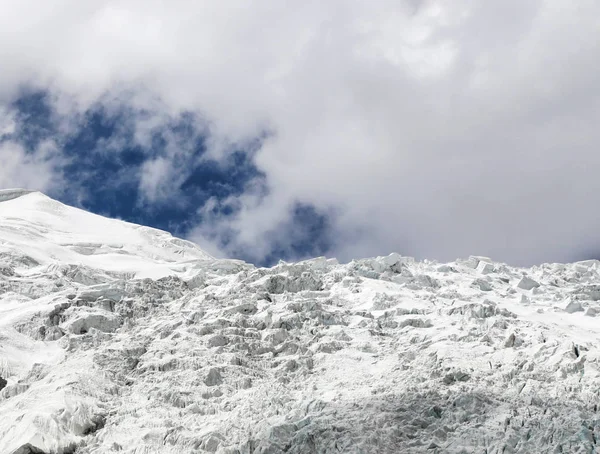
x=118, y=338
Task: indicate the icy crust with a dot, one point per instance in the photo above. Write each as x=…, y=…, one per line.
x=381, y=355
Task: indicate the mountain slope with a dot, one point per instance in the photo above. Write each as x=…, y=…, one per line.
x=120, y=338
x=50, y=232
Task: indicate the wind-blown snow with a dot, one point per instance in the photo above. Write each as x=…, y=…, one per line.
x=121, y=338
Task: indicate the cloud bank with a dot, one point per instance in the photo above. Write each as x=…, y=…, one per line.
x=430, y=128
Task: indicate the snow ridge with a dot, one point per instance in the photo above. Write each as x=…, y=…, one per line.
x=9, y=194
x=173, y=351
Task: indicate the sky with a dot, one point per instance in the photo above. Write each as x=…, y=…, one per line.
x=281, y=130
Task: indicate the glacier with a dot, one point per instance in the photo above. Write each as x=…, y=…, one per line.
x=119, y=338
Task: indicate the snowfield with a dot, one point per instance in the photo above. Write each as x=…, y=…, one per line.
x=118, y=338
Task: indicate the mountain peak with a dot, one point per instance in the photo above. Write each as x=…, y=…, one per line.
x=9, y=194
x=50, y=232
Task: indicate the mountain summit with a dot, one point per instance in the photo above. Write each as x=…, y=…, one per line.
x=119, y=338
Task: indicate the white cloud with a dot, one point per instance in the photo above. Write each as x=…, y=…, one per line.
x=7, y=122
x=437, y=129
x=19, y=169
x=155, y=178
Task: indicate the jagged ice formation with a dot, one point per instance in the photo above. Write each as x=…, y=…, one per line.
x=117, y=338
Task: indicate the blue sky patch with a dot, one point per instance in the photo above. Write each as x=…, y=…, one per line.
x=102, y=165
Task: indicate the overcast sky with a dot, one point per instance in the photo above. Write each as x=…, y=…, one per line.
x=348, y=128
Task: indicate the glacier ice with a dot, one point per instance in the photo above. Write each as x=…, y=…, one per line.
x=117, y=338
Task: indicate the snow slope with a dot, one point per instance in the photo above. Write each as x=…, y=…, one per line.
x=120, y=338
x=49, y=232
